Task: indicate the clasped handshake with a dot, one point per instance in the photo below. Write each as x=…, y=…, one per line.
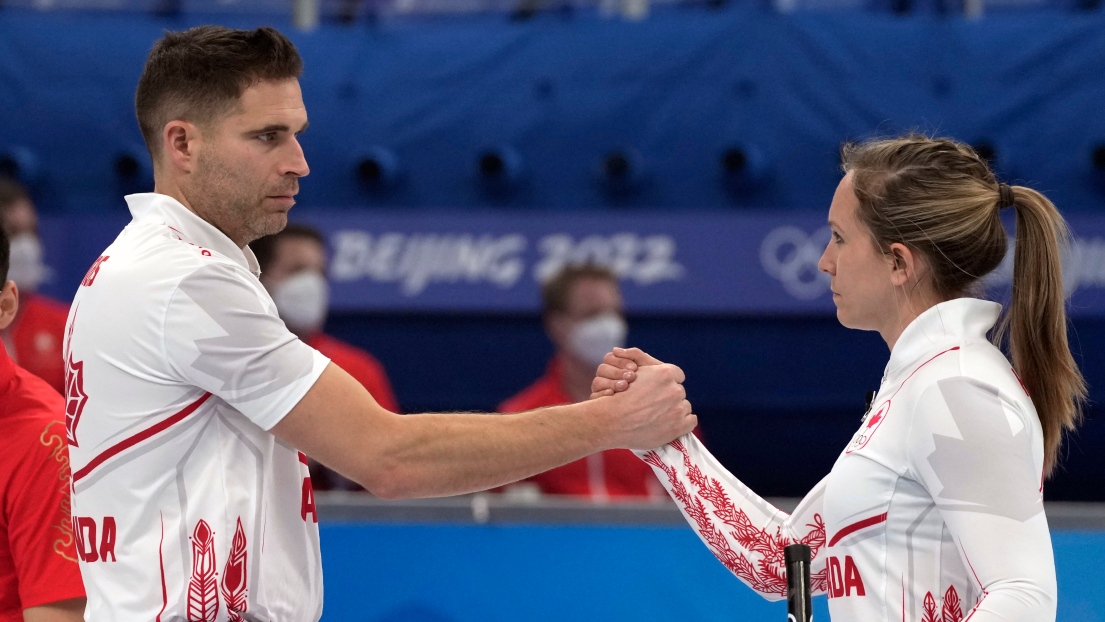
x=647, y=398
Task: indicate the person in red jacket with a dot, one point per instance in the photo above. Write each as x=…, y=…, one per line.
x=34, y=338
x=40, y=580
x=293, y=270
x=583, y=318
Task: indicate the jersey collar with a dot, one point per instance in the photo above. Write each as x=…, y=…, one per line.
x=946, y=324
x=189, y=227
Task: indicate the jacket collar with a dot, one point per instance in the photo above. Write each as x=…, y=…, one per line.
x=187, y=226
x=946, y=324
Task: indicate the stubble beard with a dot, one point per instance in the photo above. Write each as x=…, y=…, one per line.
x=223, y=200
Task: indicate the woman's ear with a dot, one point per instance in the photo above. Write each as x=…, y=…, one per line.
x=903, y=264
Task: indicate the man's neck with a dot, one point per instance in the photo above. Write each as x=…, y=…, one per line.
x=170, y=189
x=173, y=190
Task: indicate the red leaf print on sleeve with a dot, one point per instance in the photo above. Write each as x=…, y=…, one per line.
x=235, y=577
x=203, y=593
x=767, y=573
x=714, y=539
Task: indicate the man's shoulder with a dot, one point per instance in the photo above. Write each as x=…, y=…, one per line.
x=39, y=313
x=33, y=392
x=152, y=258
x=30, y=405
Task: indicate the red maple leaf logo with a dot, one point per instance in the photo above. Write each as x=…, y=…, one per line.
x=75, y=397
x=875, y=418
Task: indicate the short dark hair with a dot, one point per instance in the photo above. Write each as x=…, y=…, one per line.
x=5, y=252
x=11, y=192
x=557, y=290
x=265, y=248
x=198, y=75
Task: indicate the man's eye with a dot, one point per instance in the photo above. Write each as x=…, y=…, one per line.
x=267, y=137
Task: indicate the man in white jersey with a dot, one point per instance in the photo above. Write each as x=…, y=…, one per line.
x=190, y=404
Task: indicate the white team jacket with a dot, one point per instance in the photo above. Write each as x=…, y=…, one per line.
x=932, y=513
x=185, y=507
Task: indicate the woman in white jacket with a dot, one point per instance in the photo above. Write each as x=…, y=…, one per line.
x=934, y=510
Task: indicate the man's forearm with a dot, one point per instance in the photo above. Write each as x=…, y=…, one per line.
x=339, y=424
x=432, y=455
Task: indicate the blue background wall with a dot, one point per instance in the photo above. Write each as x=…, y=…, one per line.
x=563, y=91
x=566, y=89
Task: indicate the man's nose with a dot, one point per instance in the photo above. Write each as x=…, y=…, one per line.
x=297, y=161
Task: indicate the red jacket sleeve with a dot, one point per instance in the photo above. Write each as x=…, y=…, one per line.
x=40, y=530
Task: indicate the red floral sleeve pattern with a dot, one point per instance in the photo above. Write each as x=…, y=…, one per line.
x=758, y=557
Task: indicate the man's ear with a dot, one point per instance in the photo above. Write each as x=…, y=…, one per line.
x=903, y=264
x=9, y=304
x=178, y=144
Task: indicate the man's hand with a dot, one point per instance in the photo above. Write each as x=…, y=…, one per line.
x=618, y=370
x=655, y=411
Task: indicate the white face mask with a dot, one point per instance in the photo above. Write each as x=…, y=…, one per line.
x=591, y=339
x=302, y=301
x=26, y=267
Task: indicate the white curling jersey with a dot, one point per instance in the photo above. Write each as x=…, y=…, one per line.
x=184, y=506
x=932, y=513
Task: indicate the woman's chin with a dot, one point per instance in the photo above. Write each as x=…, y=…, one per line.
x=844, y=318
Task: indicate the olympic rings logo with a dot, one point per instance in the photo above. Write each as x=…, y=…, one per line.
x=790, y=256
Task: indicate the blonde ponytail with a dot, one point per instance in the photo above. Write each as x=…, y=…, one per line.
x=1035, y=325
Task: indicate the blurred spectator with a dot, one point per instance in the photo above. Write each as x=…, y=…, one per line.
x=293, y=270
x=34, y=339
x=583, y=318
x=39, y=577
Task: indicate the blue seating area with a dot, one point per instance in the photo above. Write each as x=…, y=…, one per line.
x=690, y=109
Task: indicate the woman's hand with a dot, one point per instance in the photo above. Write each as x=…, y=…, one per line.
x=618, y=370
